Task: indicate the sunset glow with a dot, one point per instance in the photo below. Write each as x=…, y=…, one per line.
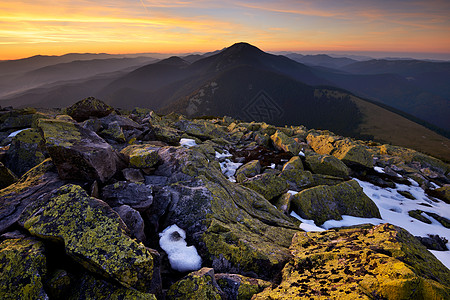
x=133, y=26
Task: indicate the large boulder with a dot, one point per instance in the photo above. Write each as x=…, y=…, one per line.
x=23, y=267
x=79, y=153
x=141, y=156
x=235, y=229
x=87, y=108
x=326, y=164
x=32, y=189
x=250, y=169
x=350, y=152
x=94, y=235
x=367, y=262
x=285, y=143
x=322, y=203
x=26, y=151
x=297, y=179
x=269, y=185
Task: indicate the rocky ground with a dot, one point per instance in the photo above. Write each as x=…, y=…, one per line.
x=99, y=203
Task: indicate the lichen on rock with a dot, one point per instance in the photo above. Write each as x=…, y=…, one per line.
x=93, y=235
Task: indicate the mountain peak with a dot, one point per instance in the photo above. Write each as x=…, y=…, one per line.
x=174, y=61
x=242, y=47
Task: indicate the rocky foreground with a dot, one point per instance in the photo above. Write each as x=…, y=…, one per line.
x=98, y=203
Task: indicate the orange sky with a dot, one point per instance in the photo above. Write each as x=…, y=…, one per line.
x=54, y=27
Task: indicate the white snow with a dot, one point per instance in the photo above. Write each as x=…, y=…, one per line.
x=292, y=192
x=394, y=209
x=182, y=258
x=227, y=166
x=272, y=166
x=379, y=169
x=13, y=134
x=307, y=225
x=187, y=143
x=301, y=153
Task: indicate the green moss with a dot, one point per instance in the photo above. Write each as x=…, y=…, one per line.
x=94, y=236
x=22, y=269
x=323, y=203
x=196, y=285
x=417, y=214
x=326, y=165
x=114, y=131
x=250, y=169
x=59, y=133
x=269, y=185
x=141, y=156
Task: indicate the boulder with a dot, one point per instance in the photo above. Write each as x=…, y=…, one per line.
x=137, y=195
x=201, y=129
x=322, y=203
x=124, y=122
x=32, y=189
x=366, y=262
x=238, y=287
x=250, y=169
x=94, y=235
x=326, y=164
x=196, y=285
x=23, y=269
x=294, y=163
x=348, y=151
x=79, y=153
x=268, y=185
x=297, y=179
x=113, y=132
x=26, y=151
x=141, y=156
x=7, y=177
x=283, y=203
x=132, y=218
x=91, y=287
x=442, y=193
x=285, y=143
x=87, y=108
x=20, y=118
x=235, y=229
x=133, y=175
x=320, y=179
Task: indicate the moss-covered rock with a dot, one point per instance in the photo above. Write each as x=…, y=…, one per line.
x=78, y=153
x=89, y=107
x=283, y=203
x=196, y=285
x=269, y=185
x=202, y=129
x=297, y=179
x=320, y=179
x=26, y=151
x=94, y=235
x=234, y=228
x=380, y=262
x=250, y=169
x=141, y=156
x=7, y=177
x=442, y=193
x=238, y=287
x=113, y=132
x=92, y=287
x=322, y=203
x=31, y=190
x=22, y=269
x=285, y=143
x=294, y=163
x=350, y=152
x=326, y=164
x=137, y=195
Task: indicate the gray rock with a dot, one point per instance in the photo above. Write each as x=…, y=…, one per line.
x=132, y=218
x=133, y=175
x=137, y=195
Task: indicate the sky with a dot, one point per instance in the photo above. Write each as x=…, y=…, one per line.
x=55, y=27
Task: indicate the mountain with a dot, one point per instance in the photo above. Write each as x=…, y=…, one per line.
x=73, y=70
x=322, y=60
x=244, y=82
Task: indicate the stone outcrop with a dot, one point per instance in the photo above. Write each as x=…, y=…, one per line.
x=323, y=202
x=80, y=220
x=94, y=236
x=380, y=262
x=78, y=153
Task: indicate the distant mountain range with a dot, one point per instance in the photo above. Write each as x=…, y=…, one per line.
x=318, y=91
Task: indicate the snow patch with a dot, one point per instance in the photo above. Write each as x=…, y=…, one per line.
x=379, y=169
x=307, y=225
x=13, y=134
x=188, y=143
x=227, y=166
x=182, y=258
